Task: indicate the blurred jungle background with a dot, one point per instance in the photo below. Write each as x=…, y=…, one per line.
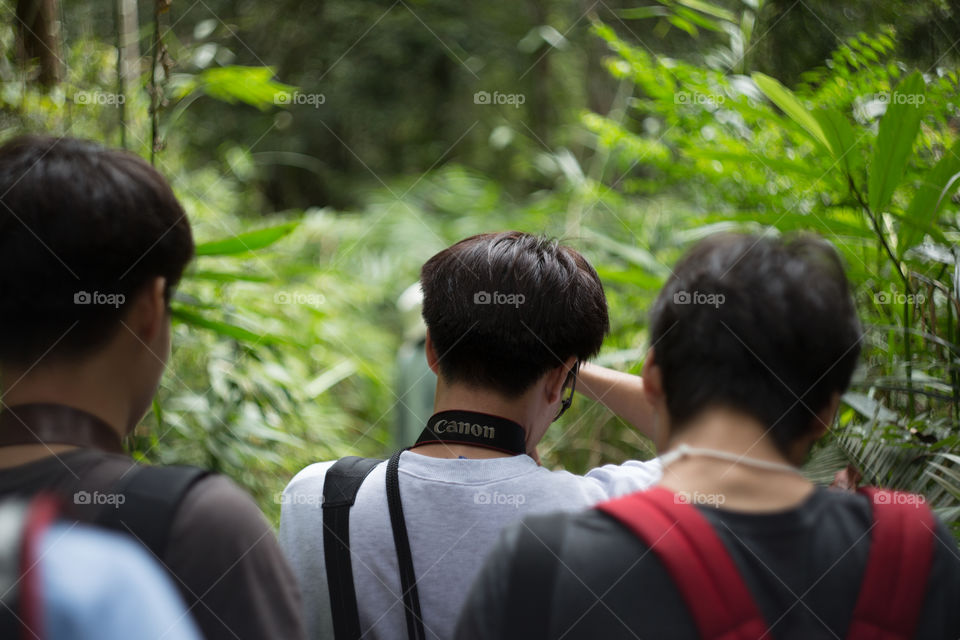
x=324, y=149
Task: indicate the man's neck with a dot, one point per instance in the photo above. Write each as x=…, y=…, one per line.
x=462, y=398
x=60, y=386
x=738, y=486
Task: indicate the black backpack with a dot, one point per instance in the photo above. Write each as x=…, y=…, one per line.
x=152, y=496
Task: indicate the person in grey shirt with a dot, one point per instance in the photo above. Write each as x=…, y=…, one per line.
x=510, y=317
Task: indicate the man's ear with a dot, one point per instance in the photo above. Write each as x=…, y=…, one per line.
x=652, y=379
x=147, y=315
x=555, y=378
x=432, y=360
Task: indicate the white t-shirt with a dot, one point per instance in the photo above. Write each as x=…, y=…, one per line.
x=454, y=511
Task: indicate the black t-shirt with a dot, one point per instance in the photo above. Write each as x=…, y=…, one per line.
x=802, y=566
x=222, y=552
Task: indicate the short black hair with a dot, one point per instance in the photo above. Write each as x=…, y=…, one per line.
x=80, y=226
x=761, y=324
x=504, y=308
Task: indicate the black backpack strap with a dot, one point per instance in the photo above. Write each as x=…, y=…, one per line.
x=529, y=608
x=408, y=577
x=146, y=500
x=340, y=486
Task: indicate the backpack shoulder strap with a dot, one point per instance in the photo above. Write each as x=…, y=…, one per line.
x=22, y=525
x=146, y=500
x=529, y=601
x=898, y=566
x=697, y=561
x=340, y=486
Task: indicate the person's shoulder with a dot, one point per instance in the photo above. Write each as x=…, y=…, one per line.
x=96, y=584
x=309, y=479
x=216, y=509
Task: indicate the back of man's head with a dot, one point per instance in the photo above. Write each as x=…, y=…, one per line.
x=82, y=230
x=759, y=324
x=504, y=308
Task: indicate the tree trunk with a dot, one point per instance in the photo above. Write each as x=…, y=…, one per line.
x=38, y=36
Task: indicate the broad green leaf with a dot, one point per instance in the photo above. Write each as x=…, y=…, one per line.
x=898, y=128
x=251, y=85
x=934, y=191
x=788, y=103
x=641, y=13
x=709, y=9
x=842, y=142
x=225, y=276
x=246, y=242
x=699, y=20
x=680, y=23
x=223, y=328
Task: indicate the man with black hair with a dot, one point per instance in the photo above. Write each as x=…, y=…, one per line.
x=754, y=339
x=92, y=243
x=391, y=552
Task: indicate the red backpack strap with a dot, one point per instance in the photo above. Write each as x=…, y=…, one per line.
x=697, y=561
x=898, y=567
x=41, y=513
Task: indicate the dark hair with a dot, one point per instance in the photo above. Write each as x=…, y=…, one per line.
x=764, y=325
x=504, y=308
x=77, y=219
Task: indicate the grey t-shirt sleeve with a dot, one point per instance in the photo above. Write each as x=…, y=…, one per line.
x=301, y=539
x=226, y=555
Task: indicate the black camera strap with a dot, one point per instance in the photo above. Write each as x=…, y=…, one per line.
x=341, y=485
x=477, y=429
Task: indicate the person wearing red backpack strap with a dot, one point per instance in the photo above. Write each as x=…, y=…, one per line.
x=754, y=339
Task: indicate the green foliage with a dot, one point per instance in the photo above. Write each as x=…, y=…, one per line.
x=860, y=154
